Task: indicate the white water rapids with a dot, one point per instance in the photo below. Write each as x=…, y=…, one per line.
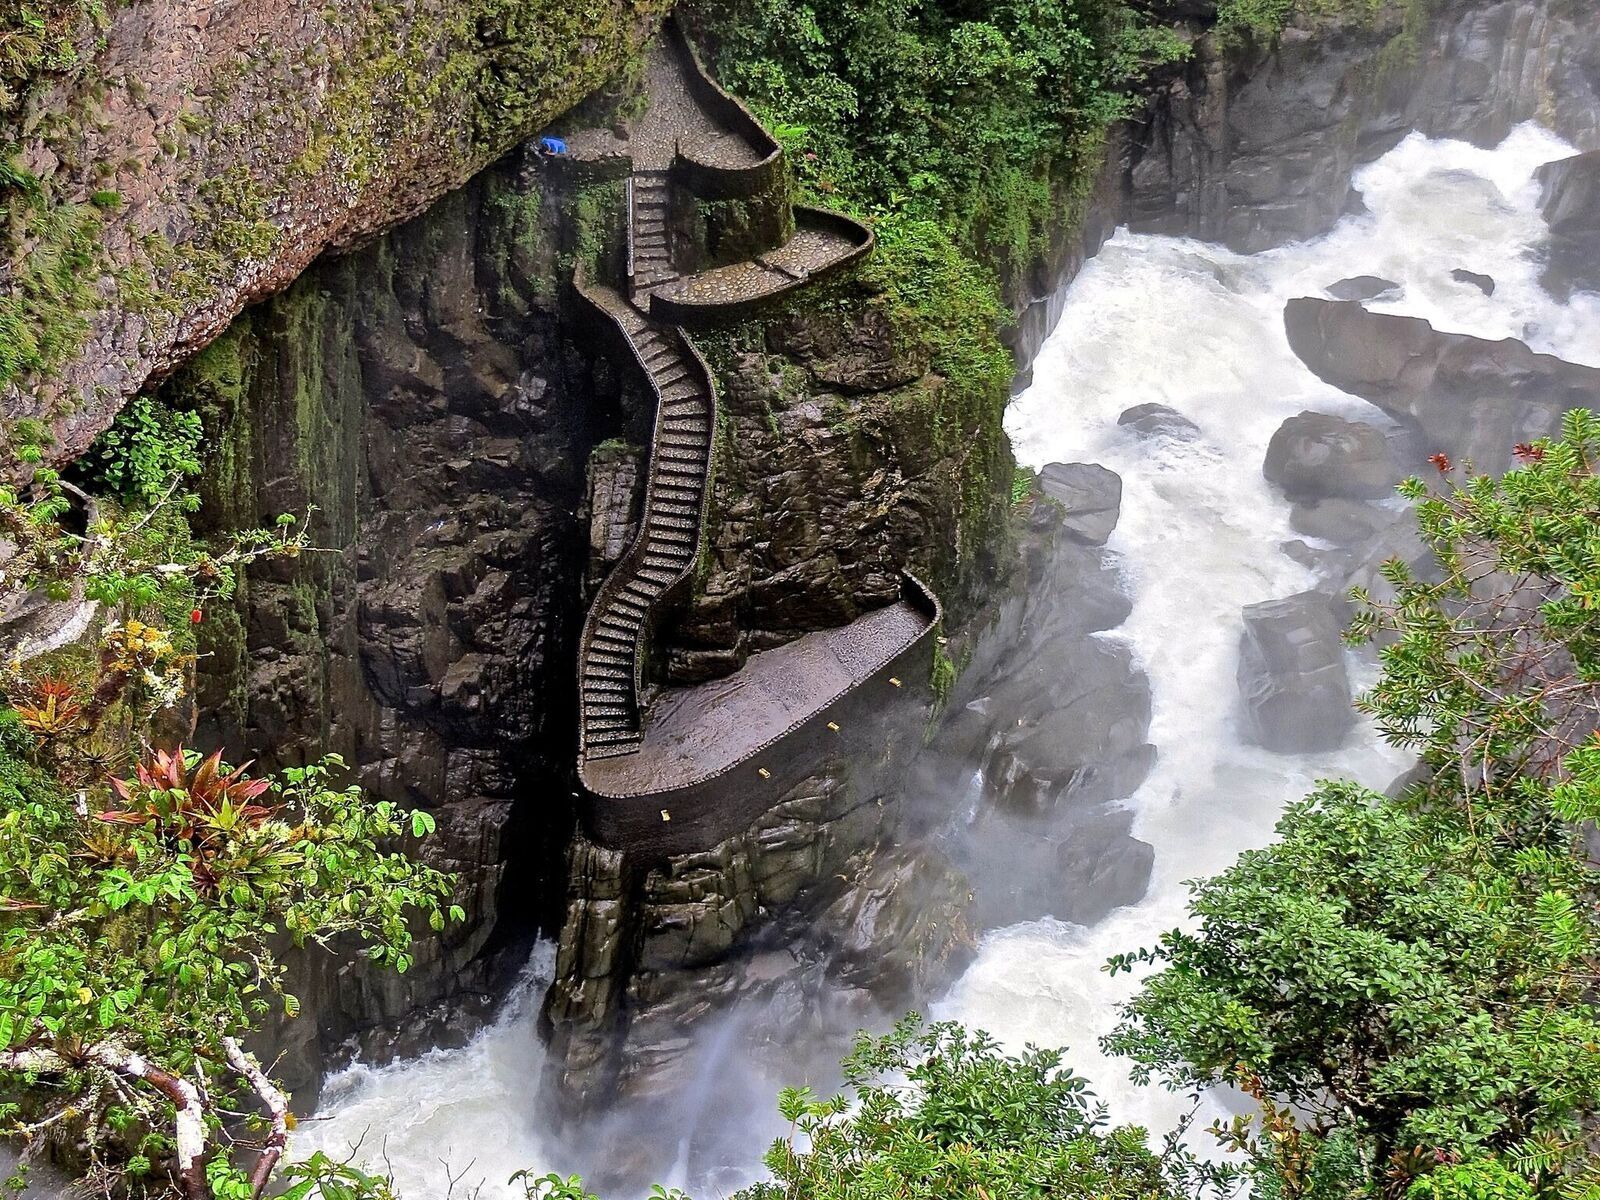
x=1200, y=329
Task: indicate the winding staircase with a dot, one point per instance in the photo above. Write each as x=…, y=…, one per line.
x=709, y=752
x=662, y=556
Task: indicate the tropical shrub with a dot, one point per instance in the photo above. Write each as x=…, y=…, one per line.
x=1415, y=976
x=935, y=1110
x=148, y=895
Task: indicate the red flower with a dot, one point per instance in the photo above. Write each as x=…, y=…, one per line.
x=1529, y=453
x=1442, y=461
x=196, y=616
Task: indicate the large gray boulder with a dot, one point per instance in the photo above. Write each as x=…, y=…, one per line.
x=1466, y=396
x=1364, y=287
x=1092, y=496
x=1158, y=421
x=1570, y=200
x=1319, y=456
x=1292, y=675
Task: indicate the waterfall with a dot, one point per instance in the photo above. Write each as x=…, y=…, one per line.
x=1200, y=329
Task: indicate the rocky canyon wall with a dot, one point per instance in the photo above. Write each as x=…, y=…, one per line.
x=193, y=155
x=1254, y=146
x=434, y=398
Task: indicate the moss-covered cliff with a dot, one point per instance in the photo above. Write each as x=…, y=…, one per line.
x=165, y=162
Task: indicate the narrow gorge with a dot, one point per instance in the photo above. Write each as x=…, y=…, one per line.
x=769, y=654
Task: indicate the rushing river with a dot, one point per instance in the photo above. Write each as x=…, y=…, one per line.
x=1199, y=329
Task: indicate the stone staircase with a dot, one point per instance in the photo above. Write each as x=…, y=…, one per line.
x=616, y=634
x=650, y=204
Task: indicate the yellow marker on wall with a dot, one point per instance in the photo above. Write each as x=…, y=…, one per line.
x=833, y=725
x=665, y=815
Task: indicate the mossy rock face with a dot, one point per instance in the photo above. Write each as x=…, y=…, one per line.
x=425, y=407
x=172, y=174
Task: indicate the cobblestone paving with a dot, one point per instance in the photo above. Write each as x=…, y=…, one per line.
x=696, y=732
x=674, y=116
x=809, y=251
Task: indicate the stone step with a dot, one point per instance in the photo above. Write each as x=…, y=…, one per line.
x=663, y=575
x=641, y=589
x=683, y=389
x=610, y=731
x=607, y=687
x=672, y=468
x=670, y=453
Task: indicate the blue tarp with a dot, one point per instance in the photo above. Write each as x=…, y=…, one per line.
x=553, y=145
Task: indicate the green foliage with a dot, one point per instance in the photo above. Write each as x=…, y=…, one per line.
x=52, y=250
x=1021, y=486
x=1476, y=1179
x=154, y=926
x=145, y=449
x=938, y=1111
x=41, y=37
x=1265, y=19
x=981, y=121
x=1415, y=976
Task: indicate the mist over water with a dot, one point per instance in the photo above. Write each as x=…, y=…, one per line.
x=1151, y=319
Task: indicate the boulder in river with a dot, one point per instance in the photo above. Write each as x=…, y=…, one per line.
x=1318, y=455
x=1292, y=675
x=1092, y=496
x=1570, y=200
x=1468, y=397
x=1484, y=283
x=1364, y=287
x=1157, y=420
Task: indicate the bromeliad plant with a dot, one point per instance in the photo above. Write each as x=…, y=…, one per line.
x=147, y=896
x=141, y=936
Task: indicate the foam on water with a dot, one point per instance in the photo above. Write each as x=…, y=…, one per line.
x=467, y=1113
x=1150, y=319
x=1200, y=329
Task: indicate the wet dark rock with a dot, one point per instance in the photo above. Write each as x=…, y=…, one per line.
x=851, y=356
x=1570, y=200
x=1292, y=675
x=1364, y=287
x=1158, y=420
x=1254, y=145
x=1318, y=455
x=1091, y=496
x=616, y=478
x=1343, y=522
x=1465, y=396
x=1484, y=283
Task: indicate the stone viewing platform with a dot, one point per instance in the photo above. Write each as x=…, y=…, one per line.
x=675, y=769
x=714, y=755
x=823, y=242
x=697, y=732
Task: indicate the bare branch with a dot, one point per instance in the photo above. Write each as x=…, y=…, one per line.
x=277, y=1105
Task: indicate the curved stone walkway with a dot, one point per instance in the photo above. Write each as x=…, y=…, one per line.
x=697, y=732
x=811, y=251
x=748, y=722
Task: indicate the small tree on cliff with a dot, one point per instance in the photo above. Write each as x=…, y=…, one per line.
x=1407, y=985
x=146, y=895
